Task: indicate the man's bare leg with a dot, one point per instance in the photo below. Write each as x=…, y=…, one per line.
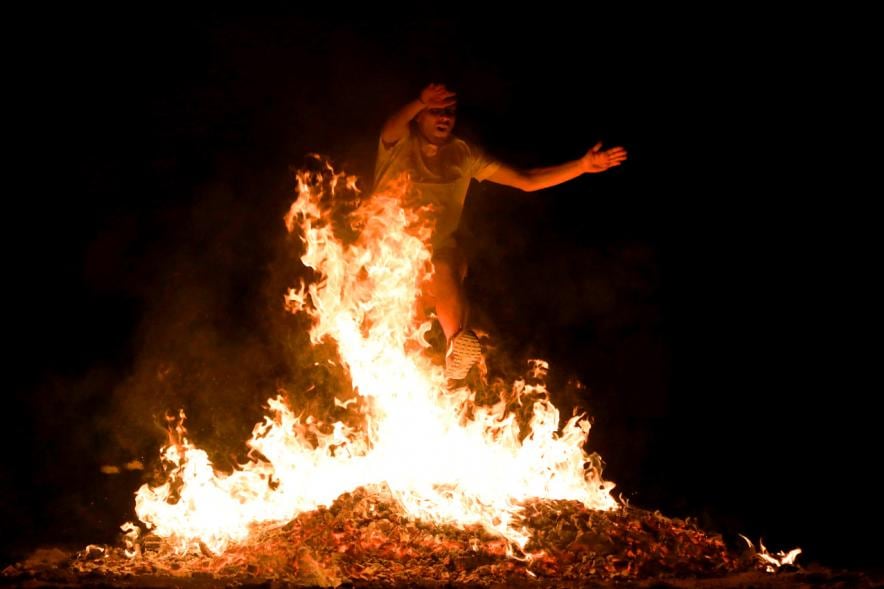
x=450, y=301
x=464, y=349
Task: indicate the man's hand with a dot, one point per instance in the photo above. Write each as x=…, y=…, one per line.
x=433, y=96
x=437, y=96
x=597, y=160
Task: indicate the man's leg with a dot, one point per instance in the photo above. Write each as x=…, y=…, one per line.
x=463, y=350
x=450, y=302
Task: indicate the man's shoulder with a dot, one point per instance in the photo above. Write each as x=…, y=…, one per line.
x=463, y=146
x=468, y=149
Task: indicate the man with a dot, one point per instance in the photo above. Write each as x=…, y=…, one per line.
x=417, y=140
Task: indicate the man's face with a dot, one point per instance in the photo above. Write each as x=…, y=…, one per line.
x=435, y=124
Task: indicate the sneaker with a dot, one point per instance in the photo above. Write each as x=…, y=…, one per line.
x=464, y=351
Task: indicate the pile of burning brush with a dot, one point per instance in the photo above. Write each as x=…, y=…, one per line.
x=364, y=538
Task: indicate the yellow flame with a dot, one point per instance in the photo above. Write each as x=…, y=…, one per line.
x=444, y=457
x=771, y=563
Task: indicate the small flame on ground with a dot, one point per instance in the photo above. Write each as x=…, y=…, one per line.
x=771, y=563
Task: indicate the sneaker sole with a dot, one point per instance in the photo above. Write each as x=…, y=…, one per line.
x=465, y=352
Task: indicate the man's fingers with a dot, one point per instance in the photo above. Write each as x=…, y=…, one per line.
x=437, y=92
x=441, y=103
x=596, y=147
x=441, y=96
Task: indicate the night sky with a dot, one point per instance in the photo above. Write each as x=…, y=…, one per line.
x=702, y=292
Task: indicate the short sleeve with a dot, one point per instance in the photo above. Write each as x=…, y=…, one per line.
x=482, y=166
x=386, y=154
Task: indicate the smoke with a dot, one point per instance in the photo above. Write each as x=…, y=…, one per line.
x=157, y=282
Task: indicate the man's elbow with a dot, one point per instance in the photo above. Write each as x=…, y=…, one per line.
x=392, y=132
x=390, y=136
x=527, y=183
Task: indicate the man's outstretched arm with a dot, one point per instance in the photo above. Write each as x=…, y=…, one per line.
x=596, y=160
x=433, y=96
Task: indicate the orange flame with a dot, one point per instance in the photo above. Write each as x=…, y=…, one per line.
x=444, y=458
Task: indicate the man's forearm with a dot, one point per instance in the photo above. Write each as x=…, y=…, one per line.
x=540, y=178
x=396, y=126
x=596, y=160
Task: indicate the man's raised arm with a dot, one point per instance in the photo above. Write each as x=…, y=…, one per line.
x=596, y=160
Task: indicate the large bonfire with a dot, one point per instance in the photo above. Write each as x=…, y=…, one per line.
x=444, y=457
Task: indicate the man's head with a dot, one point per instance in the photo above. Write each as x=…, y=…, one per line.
x=436, y=123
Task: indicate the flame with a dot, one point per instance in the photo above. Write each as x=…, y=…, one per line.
x=443, y=457
x=771, y=563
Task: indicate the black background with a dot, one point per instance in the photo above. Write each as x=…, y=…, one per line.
x=707, y=293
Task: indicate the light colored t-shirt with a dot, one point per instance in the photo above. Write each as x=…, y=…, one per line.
x=440, y=176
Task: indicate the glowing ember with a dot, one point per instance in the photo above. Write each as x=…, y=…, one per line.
x=443, y=457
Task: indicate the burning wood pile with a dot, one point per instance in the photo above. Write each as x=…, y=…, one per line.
x=364, y=537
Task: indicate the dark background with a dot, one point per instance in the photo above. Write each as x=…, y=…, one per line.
x=707, y=293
